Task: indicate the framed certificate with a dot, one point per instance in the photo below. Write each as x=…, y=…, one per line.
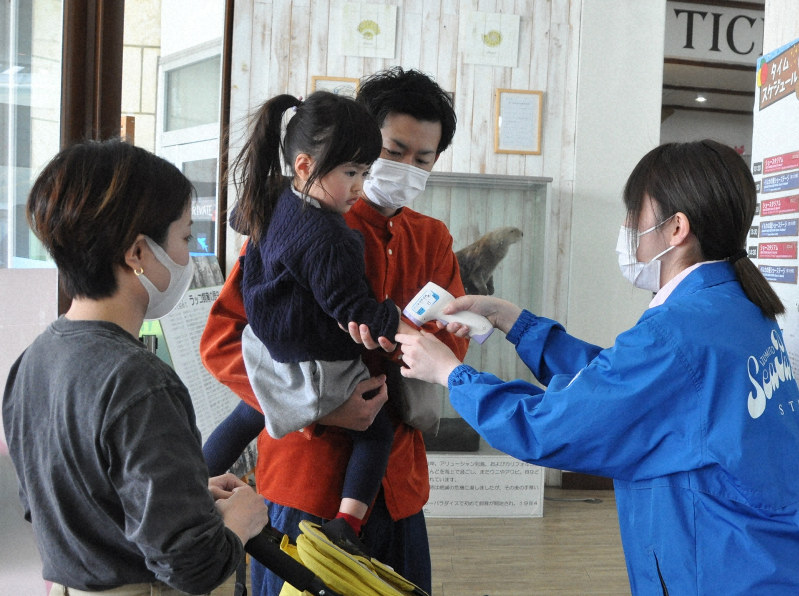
x=517, y=127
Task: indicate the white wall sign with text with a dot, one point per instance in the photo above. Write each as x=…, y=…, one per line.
x=483, y=486
x=713, y=33
x=367, y=30
x=489, y=38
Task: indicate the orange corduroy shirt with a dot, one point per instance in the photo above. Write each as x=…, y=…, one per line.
x=305, y=469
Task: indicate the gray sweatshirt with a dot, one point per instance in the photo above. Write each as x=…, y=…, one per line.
x=103, y=438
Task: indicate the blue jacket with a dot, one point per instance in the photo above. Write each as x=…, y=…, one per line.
x=694, y=412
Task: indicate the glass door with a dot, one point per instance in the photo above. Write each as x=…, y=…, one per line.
x=30, y=99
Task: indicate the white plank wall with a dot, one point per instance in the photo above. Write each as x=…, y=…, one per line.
x=280, y=45
x=268, y=59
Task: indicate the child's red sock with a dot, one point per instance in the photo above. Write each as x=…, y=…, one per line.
x=353, y=521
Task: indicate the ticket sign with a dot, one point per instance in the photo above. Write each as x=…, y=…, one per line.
x=779, y=228
x=777, y=250
x=780, y=163
x=780, y=206
x=780, y=182
x=779, y=274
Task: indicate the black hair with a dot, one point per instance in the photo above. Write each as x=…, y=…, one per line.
x=409, y=92
x=332, y=129
x=92, y=200
x=712, y=185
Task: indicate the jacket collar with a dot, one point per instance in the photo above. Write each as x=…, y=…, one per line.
x=709, y=274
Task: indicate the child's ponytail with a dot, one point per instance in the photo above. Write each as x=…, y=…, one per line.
x=257, y=171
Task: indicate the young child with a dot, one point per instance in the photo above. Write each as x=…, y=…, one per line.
x=303, y=277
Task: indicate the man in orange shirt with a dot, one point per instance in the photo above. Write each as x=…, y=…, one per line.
x=301, y=474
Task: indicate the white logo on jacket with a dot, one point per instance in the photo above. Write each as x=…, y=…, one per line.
x=766, y=374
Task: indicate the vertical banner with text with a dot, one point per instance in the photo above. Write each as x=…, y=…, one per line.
x=774, y=234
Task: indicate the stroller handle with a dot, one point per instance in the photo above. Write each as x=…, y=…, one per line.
x=265, y=548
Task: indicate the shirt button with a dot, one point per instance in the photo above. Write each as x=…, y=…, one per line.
x=391, y=252
x=391, y=224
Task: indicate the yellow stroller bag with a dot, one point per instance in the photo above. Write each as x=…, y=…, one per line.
x=347, y=574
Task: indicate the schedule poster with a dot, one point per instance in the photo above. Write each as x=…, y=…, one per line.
x=774, y=233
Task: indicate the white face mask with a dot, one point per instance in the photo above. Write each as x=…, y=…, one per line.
x=645, y=276
x=162, y=303
x=393, y=184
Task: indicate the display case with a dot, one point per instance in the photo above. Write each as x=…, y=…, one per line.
x=492, y=219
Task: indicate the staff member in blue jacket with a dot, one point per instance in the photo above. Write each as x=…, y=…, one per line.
x=694, y=412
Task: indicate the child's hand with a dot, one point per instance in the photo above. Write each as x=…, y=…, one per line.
x=360, y=334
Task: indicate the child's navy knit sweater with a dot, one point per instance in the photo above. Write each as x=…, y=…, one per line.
x=304, y=277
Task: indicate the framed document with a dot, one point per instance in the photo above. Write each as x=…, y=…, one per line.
x=518, y=121
x=337, y=85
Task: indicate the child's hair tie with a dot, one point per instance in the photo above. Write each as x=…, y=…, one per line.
x=299, y=104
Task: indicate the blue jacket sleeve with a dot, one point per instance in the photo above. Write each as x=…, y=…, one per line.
x=615, y=417
x=547, y=349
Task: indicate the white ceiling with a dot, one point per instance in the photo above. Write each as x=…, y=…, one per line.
x=726, y=88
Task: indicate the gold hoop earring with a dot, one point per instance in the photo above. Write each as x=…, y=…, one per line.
x=138, y=271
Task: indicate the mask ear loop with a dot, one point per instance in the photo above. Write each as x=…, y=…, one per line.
x=634, y=235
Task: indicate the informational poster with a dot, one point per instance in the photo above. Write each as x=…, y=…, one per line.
x=518, y=121
x=774, y=234
x=483, y=486
x=182, y=329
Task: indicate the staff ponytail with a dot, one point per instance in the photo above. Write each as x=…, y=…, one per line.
x=756, y=287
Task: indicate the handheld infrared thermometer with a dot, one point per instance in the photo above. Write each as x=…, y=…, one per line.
x=430, y=301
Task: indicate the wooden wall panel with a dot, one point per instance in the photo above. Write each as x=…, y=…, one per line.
x=290, y=42
x=268, y=59
x=280, y=45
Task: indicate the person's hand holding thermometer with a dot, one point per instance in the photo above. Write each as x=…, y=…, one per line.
x=429, y=303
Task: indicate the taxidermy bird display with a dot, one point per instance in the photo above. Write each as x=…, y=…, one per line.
x=478, y=260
